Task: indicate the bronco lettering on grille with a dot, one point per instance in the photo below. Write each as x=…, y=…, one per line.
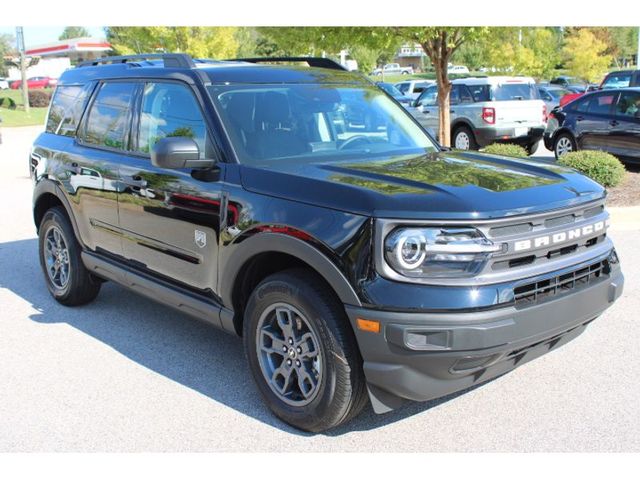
x=560, y=237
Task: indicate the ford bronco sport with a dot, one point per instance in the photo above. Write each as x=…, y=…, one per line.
x=302, y=208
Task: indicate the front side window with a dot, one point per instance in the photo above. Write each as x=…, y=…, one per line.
x=629, y=105
x=108, y=119
x=600, y=104
x=269, y=124
x=428, y=97
x=170, y=110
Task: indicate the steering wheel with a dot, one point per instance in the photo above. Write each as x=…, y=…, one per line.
x=354, y=139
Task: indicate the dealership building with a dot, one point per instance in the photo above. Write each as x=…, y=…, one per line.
x=56, y=57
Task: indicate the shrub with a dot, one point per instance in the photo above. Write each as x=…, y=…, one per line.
x=8, y=102
x=506, y=149
x=39, y=98
x=602, y=167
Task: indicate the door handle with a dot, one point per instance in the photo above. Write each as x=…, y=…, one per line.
x=579, y=117
x=614, y=123
x=452, y=111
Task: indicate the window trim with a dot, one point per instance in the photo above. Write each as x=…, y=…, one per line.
x=82, y=129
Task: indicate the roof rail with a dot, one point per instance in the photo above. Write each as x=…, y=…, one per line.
x=171, y=60
x=318, y=62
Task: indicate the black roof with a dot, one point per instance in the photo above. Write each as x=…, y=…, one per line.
x=210, y=71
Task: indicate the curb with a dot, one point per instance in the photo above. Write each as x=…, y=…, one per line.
x=624, y=218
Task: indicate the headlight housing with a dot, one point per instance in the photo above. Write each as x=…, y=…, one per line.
x=437, y=252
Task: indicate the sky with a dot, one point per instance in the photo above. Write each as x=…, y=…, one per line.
x=40, y=35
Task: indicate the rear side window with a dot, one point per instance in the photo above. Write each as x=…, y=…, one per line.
x=617, y=80
x=107, y=122
x=480, y=93
x=66, y=109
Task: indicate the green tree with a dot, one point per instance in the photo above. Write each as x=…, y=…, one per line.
x=6, y=48
x=73, y=32
x=200, y=42
x=585, y=55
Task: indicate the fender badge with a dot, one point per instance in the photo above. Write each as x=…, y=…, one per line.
x=200, y=238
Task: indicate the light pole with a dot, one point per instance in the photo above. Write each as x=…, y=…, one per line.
x=23, y=68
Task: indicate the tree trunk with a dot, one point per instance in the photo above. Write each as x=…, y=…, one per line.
x=444, y=90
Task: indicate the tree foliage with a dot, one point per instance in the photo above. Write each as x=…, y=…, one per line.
x=73, y=32
x=585, y=55
x=200, y=42
x=6, y=48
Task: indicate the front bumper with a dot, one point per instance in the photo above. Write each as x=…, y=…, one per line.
x=422, y=356
x=487, y=135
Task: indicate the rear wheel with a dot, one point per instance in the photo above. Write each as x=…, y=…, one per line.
x=302, y=352
x=563, y=144
x=463, y=139
x=68, y=280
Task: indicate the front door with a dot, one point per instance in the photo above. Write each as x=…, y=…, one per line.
x=169, y=219
x=593, y=127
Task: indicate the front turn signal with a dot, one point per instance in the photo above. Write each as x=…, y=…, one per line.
x=368, y=325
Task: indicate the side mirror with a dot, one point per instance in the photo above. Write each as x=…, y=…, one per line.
x=178, y=152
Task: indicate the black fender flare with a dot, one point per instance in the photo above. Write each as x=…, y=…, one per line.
x=48, y=186
x=282, y=243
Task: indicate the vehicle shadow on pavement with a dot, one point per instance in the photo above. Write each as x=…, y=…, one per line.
x=172, y=344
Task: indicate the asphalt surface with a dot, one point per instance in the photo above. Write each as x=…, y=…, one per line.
x=125, y=374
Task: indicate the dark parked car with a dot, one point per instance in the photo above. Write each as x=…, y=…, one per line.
x=607, y=120
x=356, y=259
x=621, y=79
x=395, y=93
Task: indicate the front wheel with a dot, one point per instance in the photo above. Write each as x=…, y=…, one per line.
x=302, y=352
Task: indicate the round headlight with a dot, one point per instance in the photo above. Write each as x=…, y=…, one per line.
x=409, y=251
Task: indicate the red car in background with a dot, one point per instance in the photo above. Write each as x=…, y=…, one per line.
x=36, y=82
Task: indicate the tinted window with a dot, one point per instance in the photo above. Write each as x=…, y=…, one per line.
x=428, y=96
x=600, y=104
x=629, y=104
x=403, y=87
x=66, y=108
x=170, y=110
x=580, y=105
x=617, y=80
x=108, y=120
x=515, y=91
x=480, y=93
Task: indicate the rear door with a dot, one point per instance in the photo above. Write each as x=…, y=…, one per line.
x=625, y=131
x=92, y=165
x=170, y=219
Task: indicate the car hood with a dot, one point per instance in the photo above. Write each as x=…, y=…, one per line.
x=447, y=185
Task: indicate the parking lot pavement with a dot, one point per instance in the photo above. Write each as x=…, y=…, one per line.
x=126, y=374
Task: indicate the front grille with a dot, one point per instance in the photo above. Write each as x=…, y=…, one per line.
x=543, y=290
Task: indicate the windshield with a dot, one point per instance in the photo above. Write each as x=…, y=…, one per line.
x=315, y=123
x=390, y=89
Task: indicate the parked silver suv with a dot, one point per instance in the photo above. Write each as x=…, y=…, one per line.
x=485, y=110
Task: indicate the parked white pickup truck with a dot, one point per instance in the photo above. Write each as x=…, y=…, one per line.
x=393, y=69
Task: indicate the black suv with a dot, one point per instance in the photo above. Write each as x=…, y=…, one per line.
x=302, y=208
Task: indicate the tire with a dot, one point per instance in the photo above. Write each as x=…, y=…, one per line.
x=58, y=241
x=463, y=139
x=333, y=388
x=531, y=148
x=564, y=143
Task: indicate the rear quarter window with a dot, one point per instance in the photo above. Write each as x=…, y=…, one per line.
x=66, y=109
